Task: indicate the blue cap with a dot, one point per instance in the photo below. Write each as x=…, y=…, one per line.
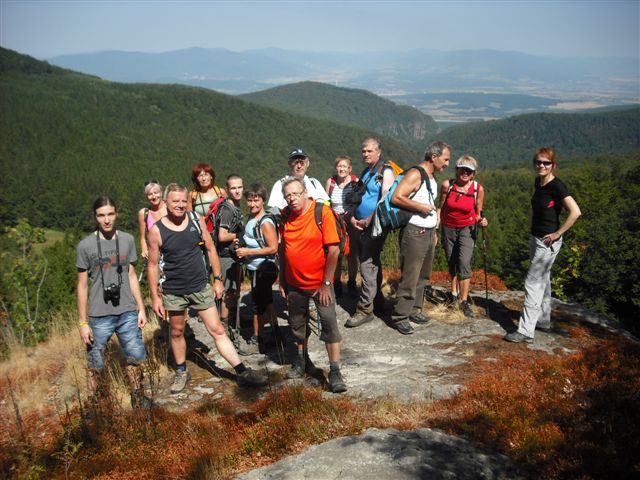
x=298, y=152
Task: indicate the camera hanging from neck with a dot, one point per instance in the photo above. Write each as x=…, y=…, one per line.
x=119, y=267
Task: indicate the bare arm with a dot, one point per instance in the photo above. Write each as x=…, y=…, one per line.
x=327, y=185
x=137, y=296
x=224, y=235
x=153, y=271
x=270, y=238
x=324, y=293
x=82, y=298
x=482, y=221
x=574, y=212
x=410, y=184
x=142, y=225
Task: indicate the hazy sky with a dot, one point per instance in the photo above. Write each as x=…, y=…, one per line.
x=561, y=28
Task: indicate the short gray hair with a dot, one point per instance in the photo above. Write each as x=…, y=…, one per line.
x=289, y=180
x=436, y=148
x=173, y=187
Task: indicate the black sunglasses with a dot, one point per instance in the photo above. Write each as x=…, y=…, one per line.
x=151, y=181
x=540, y=163
x=466, y=170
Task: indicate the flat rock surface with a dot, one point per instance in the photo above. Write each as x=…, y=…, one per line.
x=391, y=454
x=377, y=361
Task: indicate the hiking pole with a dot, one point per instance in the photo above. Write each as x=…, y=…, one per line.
x=238, y=288
x=484, y=255
x=144, y=267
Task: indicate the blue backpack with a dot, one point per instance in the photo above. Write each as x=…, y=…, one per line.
x=392, y=217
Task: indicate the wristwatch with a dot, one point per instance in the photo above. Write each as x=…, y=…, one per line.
x=327, y=283
x=219, y=277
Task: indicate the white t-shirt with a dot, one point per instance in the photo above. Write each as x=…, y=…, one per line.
x=314, y=188
x=423, y=196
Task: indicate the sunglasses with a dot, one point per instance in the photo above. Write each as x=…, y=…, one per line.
x=148, y=182
x=465, y=171
x=542, y=163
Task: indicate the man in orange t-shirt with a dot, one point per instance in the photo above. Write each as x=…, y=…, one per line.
x=308, y=256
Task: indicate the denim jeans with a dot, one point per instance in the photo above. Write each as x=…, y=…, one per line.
x=129, y=335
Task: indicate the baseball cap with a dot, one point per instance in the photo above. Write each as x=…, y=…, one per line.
x=298, y=152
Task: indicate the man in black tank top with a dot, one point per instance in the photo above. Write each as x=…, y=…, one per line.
x=182, y=245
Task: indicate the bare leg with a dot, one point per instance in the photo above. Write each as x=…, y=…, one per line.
x=464, y=288
x=333, y=350
x=177, y=323
x=216, y=329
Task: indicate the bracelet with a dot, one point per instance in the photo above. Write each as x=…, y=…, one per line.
x=83, y=324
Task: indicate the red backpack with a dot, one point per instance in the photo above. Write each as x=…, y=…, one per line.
x=211, y=218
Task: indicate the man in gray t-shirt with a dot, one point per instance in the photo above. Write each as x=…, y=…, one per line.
x=109, y=299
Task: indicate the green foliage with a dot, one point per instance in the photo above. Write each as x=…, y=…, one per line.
x=35, y=284
x=350, y=106
x=21, y=282
x=67, y=137
x=513, y=141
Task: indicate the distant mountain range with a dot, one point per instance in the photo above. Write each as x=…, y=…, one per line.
x=350, y=106
x=66, y=137
x=585, y=82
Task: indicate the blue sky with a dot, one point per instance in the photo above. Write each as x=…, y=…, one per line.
x=560, y=28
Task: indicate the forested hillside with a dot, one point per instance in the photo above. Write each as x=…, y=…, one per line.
x=512, y=141
x=350, y=107
x=65, y=137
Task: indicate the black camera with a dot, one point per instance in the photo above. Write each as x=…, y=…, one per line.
x=111, y=294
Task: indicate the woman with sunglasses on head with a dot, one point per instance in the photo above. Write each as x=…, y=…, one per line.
x=549, y=197
x=204, y=190
x=147, y=216
x=461, y=201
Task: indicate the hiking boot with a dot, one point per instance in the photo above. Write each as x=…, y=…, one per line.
x=517, y=337
x=251, y=378
x=336, y=382
x=403, y=326
x=466, y=309
x=352, y=289
x=297, y=369
x=545, y=327
x=451, y=300
x=360, y=318
x=252, y=347
x=300, y=367
x=180, y=381
x=382, y=305
x=419, y=318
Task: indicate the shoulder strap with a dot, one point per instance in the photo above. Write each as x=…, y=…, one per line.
x=318, y=214
x=332, y=185
x=425, y=179
x=194, y=218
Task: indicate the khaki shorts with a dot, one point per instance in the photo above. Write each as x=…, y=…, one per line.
x=201, y=300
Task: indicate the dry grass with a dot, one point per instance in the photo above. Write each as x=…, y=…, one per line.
x=562, y=417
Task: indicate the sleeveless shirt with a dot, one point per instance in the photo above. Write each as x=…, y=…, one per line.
x=184, y=267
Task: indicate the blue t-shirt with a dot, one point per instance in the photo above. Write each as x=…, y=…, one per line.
x=253, y=261
x=371, y=195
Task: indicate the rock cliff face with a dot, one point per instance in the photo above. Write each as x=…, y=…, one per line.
x=378, y=362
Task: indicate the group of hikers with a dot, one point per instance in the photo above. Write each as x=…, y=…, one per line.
x=196, y=243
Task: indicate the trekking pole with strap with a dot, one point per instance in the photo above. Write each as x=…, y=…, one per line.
x=484, y=255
